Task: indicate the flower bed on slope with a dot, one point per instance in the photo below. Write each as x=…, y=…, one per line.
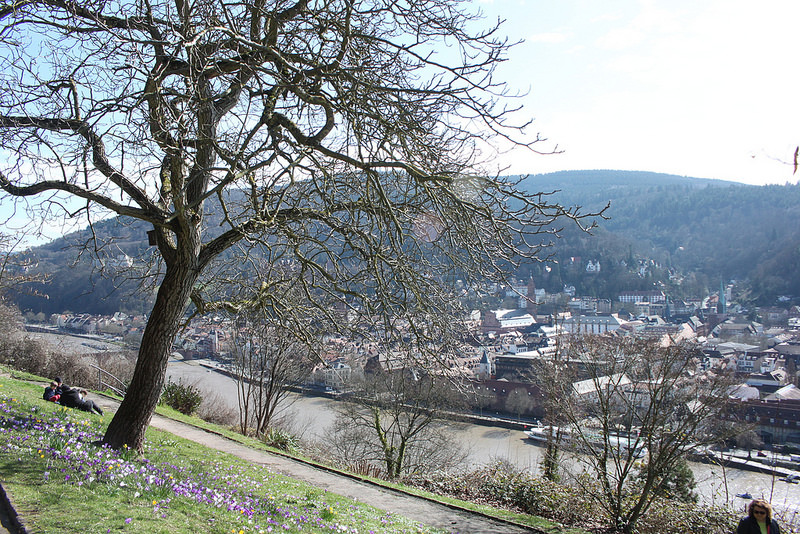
x=61, y=481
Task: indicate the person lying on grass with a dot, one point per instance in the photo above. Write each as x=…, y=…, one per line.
x=74, y=398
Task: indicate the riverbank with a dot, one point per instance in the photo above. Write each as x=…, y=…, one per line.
x=765, y=462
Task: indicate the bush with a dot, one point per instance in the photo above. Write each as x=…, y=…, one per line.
x=215, y=410
x=29, y=355
x=184, y=398
x=669, y=516
x=280, y=439
x=120, y=365
x=504, y=485
x=74, y=369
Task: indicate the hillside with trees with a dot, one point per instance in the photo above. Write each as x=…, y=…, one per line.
x=680, y=234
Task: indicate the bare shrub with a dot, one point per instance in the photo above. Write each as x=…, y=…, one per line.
x=502, y=484
x=38, y=357
x=215, y=410
x=365, y=468
x=397, y=421
x=10, y=328
x=429, y=448
x=74, y=369
x=268, y=359
x=29, y=355
x=16, y=349
x=49, y=361
x=668, y=516
x=119, y=365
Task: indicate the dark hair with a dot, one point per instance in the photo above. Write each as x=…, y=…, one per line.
x=58, y=379
x=763, y=504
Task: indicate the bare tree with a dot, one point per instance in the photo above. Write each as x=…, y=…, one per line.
x=482, y=398
x=546, y=373
x=16, y=268
x=519, y=401
x=267, y=362
x=551, y=459
x=344, y=138
x=639, y=412
x=395, y=420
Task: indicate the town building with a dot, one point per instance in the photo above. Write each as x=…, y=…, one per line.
x=504, y=320
x=592, y=324
x=651, y=297
x=776, y=421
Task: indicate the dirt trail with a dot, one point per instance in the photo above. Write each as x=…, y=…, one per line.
x=418, y=509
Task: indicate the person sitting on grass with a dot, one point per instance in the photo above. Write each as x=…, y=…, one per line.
x=52, y=392
x=72, y=398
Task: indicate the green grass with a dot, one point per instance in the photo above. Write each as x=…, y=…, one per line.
x=60, y=482
x=539, y=523
x=161, y=445
x=536, y=522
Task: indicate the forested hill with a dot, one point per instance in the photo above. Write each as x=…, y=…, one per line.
x=682, y=234
x=700, y=230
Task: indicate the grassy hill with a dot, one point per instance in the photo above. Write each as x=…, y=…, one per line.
x=59, y=481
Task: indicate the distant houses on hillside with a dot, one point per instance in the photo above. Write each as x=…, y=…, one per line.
x=500, y=360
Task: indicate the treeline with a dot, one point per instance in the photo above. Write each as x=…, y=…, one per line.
x=683, y=235
x=680, y=234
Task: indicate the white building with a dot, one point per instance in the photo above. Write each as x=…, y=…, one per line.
x=591, y=389
x=336, y=376
x=590, y=324
x=507, y=319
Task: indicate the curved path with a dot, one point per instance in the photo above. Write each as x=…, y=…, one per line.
x=450, y=518
x=416, y=508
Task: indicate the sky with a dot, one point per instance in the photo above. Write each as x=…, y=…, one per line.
x=699, y=88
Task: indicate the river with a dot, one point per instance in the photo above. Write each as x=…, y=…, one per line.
x=311, y=419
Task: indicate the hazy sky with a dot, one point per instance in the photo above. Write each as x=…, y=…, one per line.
x=700, y=88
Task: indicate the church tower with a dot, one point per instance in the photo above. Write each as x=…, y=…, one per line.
x=530, y=304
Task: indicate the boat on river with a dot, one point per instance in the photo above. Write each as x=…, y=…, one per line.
x=542, y=434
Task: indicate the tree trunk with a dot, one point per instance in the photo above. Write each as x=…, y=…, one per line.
x=129, y=424
x=550, y=461
x=400, y=458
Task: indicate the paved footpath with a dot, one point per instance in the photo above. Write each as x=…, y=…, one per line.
x=418, y=509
